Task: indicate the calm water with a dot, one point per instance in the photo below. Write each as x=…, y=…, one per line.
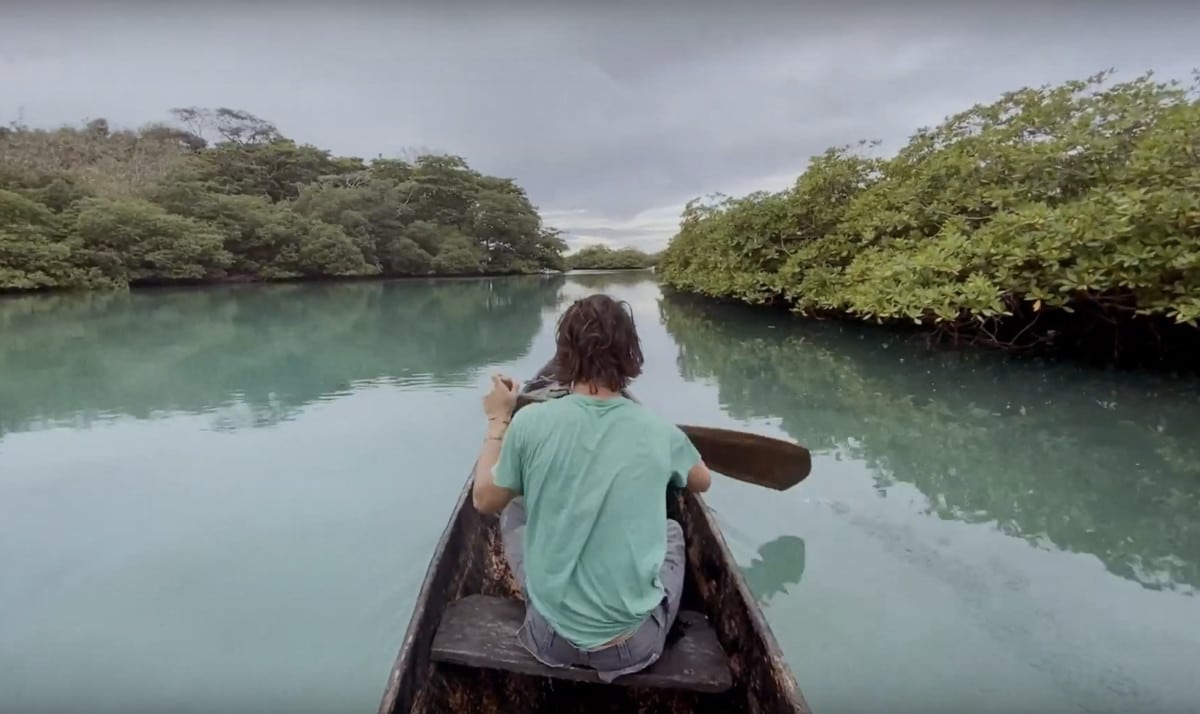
x=225, y=499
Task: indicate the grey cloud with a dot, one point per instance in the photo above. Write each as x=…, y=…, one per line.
x=623, y=112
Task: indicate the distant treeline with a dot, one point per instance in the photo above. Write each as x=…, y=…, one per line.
x=222, y=195
x=599, y=257
x=1058, y=219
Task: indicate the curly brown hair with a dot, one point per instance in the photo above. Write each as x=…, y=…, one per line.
x=597, y=343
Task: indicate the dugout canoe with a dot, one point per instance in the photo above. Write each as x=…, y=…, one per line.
x=460, y=653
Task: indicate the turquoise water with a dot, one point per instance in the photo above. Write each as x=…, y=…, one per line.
x=225, y=499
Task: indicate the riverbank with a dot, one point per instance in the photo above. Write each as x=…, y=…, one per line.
x=297, y=280
x=1155, y=344
x=1055, y=221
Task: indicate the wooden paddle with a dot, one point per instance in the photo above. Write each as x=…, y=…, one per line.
x=753, y=458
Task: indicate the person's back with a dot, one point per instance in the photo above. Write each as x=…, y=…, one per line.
x=582, y=481
x=594, y=474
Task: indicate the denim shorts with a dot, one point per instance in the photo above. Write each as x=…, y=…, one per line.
x=636, y=651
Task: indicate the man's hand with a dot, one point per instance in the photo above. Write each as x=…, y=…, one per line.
x=498, y=404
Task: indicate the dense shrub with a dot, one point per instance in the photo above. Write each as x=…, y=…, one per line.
x=1051, y=214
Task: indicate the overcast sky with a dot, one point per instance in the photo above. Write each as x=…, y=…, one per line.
x=611, y=114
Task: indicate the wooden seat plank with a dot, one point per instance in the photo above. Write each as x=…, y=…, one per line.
x=481, y=631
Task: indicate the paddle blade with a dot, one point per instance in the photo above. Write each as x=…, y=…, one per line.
x=762, y=460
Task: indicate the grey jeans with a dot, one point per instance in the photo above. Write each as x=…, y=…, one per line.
x=637, y=651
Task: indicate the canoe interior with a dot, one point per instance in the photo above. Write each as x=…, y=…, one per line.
x=469, y=560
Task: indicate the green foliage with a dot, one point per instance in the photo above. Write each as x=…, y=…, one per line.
x=1080, y=199
x=459, y=256
x=31, y=255
x=227, y=197
x=133, y=240
x=600, y=257
x=276, y=170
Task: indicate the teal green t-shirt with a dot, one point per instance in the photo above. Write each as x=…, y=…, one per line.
x=593, y=473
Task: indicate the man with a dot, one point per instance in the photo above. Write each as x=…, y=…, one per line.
x=580, y=483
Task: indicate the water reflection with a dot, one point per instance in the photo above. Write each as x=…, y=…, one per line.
x=779, y=563
x=253, y=355
x=1072, y=459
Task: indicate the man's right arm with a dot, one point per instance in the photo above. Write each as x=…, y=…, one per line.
x=498, y=470
x=687, y=468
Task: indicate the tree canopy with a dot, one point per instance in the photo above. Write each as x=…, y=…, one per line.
x=601, y=257
x=222, y=195
x=1055, y=217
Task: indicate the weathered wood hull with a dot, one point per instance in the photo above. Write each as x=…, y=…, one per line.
x=469, y=560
